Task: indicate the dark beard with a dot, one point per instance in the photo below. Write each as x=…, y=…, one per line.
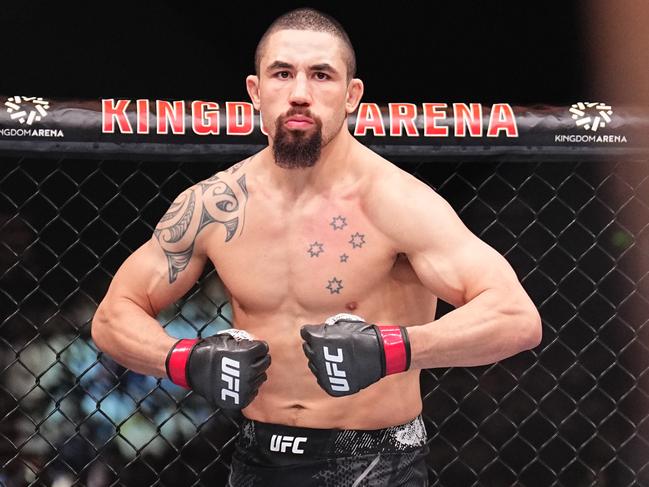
x=294, y=149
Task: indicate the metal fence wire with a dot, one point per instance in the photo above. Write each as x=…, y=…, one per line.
x=573, y=412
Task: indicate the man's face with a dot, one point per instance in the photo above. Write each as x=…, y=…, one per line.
x=302, y=93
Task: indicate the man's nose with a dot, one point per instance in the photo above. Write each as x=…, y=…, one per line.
x=300, y=94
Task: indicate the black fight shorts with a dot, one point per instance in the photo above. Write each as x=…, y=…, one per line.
x=268, y=455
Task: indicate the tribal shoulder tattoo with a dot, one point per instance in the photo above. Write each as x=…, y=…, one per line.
x=208, y=202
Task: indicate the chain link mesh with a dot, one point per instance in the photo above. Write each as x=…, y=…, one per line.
x=574, y=411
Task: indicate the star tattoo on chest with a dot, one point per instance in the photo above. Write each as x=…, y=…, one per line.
x=334, y=285
x=338, y=222
x=357, y=240
x=315, y=249
x=344, y=257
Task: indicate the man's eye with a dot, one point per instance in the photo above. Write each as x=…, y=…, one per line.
x=322, y=76
x=283, y=74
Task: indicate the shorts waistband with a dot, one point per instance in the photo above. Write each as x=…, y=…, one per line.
x=281, y=440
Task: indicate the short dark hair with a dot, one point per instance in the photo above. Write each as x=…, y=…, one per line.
x=309, y=19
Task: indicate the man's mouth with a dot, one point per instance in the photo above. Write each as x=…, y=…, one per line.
x=298, y=122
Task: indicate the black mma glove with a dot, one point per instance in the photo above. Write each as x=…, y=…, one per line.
x=226, y=369
x=346, y=354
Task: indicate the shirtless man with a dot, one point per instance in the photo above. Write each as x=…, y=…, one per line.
x=313, y=226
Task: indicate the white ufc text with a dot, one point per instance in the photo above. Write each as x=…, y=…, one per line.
x=230, y=375
x=335, y=374
x=280, y=443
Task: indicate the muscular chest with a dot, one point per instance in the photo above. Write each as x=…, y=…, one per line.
x=321, y=256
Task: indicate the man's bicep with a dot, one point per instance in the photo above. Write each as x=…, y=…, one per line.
x=448, y=258
x=458, y=273
x=168, y=265
x=177, y=231
x=144, y=278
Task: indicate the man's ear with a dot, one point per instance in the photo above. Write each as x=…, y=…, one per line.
x=354, y=95
x=252, y=85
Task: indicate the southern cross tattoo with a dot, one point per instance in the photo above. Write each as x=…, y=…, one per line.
x=315, y=249
x=357, y=240
x=338, y=222
x=344, y=257
x=334, y=285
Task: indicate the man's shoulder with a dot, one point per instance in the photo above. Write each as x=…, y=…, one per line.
x=230, y=173
x=217, y=203
x=399, y=204
x=388, y=183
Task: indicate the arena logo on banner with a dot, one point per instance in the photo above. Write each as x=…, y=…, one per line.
x=591, y=117
x=436, y=120
x=25, y=110
x=402, y=119
x=170, y=117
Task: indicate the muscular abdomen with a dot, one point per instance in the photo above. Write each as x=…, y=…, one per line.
x=292, y=396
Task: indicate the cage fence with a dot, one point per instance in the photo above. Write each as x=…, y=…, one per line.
x=574, y=411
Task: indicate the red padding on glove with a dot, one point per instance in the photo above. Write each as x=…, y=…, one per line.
x=177, y=362
x=395, y=349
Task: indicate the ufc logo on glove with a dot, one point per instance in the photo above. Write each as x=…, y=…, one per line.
x=230, y=375
x=338, y=383
x=369, y=352
x=226, y=369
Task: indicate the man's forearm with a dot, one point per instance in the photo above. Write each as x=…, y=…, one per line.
x=489, y=328
x=131, y=337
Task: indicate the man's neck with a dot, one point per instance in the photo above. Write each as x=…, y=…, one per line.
x=332, y=167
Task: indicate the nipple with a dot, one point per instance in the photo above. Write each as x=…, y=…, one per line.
x=351, y=306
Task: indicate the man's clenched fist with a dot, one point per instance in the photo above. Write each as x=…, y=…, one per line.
x=346, y=354
x=226, y=369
